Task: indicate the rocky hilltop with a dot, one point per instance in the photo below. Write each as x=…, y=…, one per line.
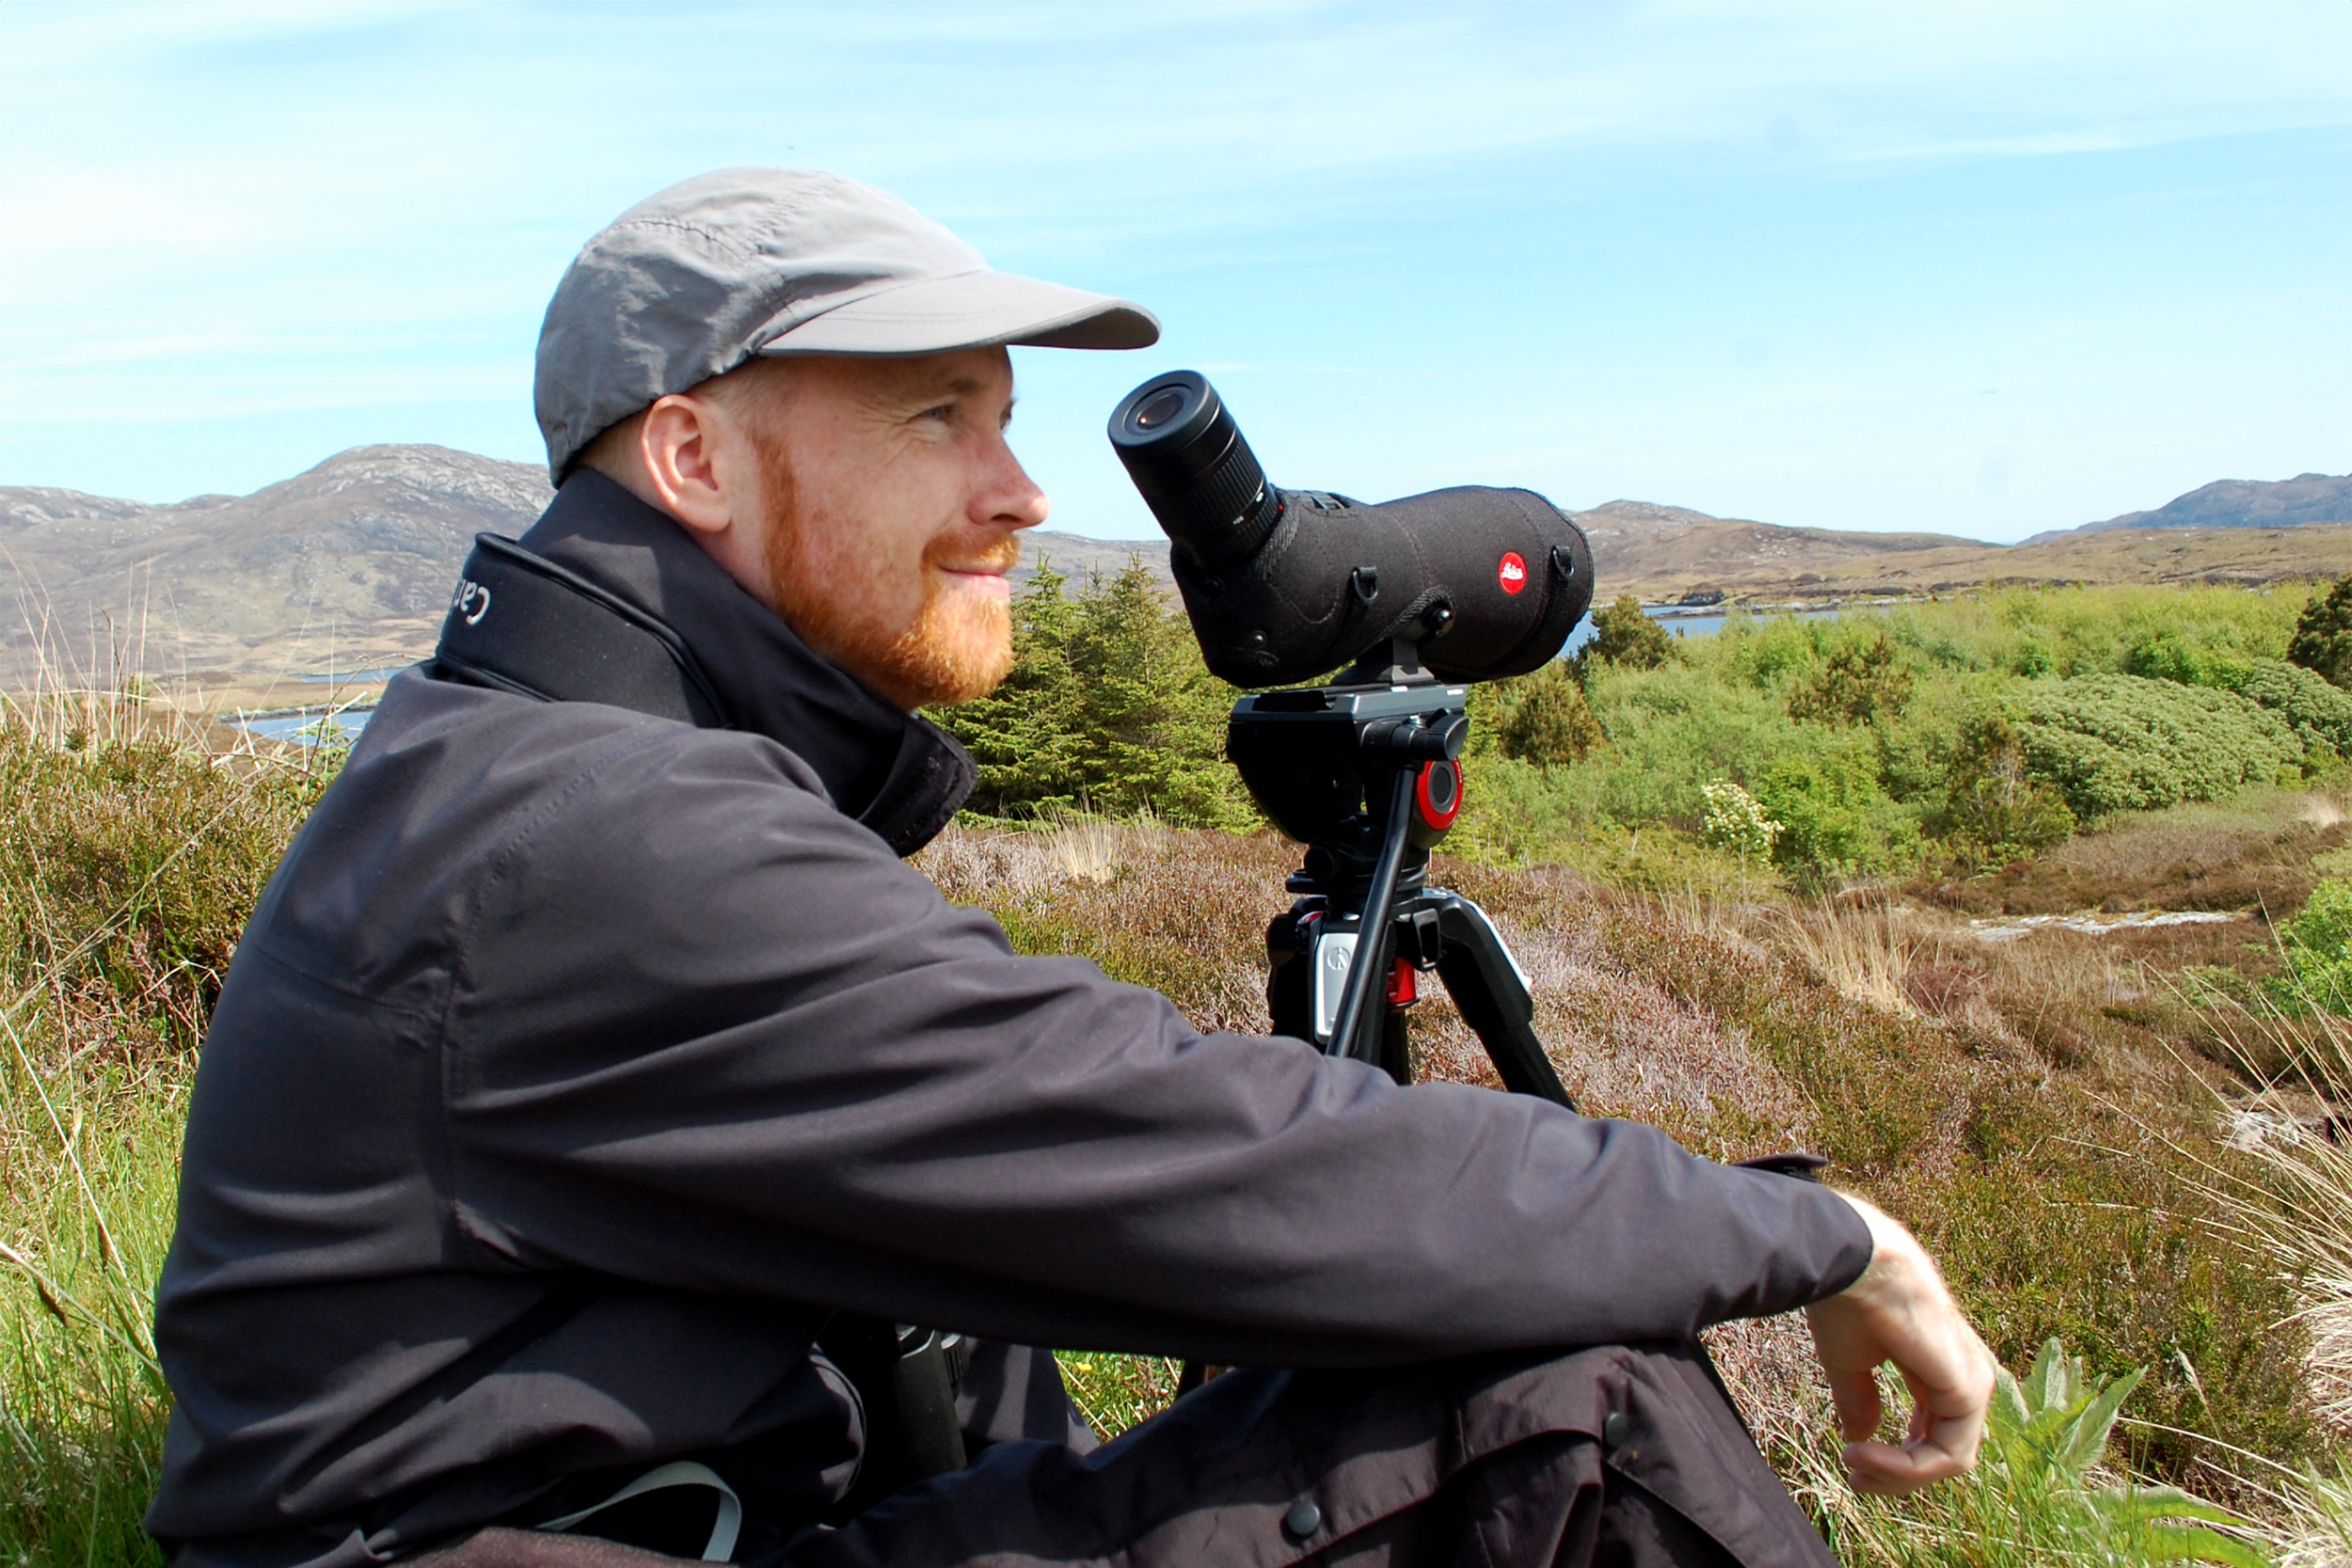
x=2298, y=503
x=346, y=567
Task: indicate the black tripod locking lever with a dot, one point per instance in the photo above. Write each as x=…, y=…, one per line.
x=1367, y=965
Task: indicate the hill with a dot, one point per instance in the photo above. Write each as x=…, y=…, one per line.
x=2297, y=502
x=1666, y=552
x=345, y=567
x=342, y=568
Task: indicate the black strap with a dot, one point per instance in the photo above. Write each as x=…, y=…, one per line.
x=524, y=625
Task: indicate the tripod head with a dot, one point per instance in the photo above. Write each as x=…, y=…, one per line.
x=1323, y=761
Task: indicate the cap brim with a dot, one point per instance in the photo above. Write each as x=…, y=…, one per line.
x=973, y=309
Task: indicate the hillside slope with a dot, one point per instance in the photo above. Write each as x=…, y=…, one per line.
x=345, y=567
x=2297, y=502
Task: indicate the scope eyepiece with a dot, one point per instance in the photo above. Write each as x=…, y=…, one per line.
x=1199, y=478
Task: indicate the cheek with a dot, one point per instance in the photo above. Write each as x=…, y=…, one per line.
x=869, y=558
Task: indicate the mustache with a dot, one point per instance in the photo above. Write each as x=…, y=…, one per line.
x=1003, y=556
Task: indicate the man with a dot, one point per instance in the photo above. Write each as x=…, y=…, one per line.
x=593, y=1068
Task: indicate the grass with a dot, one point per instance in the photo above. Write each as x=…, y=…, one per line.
x=2290, y=1202
x=2053, y=1113
x=130, y=854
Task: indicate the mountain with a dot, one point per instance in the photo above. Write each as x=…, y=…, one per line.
x=346, y=567
x=1669, y=552
x=2297, y=502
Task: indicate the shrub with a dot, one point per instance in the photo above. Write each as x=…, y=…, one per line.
x=2321, y=713
x=2317, y=946
x=1836, y=820
x=2112, y=743
x=1993, y=813
x=2039, y=632
x=2169, y=657
x=1543, y=718
x=2323, y=635
x=1621, y=635
x=1855, y=685
x=1737, y=823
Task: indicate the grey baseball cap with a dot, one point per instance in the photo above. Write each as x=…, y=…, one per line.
x=703, y=276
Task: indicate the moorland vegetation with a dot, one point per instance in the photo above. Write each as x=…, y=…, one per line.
x=1877, y=886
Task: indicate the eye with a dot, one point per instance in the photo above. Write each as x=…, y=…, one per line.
x=944, y=413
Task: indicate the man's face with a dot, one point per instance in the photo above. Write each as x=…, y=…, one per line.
x=891, y=502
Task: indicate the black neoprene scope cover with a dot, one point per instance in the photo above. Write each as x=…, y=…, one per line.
x=1288, y=585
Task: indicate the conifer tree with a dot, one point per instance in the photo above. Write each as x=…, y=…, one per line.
x=1108, y=708
x=2323, y=637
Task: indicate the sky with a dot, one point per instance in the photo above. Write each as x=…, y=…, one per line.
x=1975, y=269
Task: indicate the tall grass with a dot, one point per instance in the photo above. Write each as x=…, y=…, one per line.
x=129, y=853
x=2294, y=1208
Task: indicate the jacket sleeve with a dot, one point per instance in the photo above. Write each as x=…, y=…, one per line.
x=708, y=1032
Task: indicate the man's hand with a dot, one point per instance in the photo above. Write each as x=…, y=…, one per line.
x=1900, y=1312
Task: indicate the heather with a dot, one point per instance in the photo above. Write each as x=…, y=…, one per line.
x=1867, y=887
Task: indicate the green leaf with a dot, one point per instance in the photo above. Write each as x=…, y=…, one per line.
x=2048, y=1384
x=2194, y=1543
x=2086, y=1433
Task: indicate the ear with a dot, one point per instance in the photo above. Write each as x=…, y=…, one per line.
x=695, y=462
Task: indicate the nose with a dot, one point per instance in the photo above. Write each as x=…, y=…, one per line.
x=1009, y=499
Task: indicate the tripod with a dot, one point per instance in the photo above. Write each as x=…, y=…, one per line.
x=1366, y=773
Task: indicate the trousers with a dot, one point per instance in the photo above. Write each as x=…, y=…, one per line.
x=1616, y=1456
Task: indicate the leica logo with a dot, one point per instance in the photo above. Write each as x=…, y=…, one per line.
x=1511, y=571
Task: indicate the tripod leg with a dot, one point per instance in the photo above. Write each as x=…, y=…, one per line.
x=1396, y=1059
x=1290, y=980
x=1487, y=987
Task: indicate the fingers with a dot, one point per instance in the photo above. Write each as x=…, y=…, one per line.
x=1900, y=1312
x=1859, y=1407
x=1939, y=1449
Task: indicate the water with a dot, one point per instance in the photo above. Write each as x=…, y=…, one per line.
x=1702, y=623
x=306, y=729
x=354, y=678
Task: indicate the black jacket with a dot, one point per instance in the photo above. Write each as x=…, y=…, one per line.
x=577, y=1063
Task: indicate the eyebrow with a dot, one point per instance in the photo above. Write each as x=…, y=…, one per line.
x=963, y=386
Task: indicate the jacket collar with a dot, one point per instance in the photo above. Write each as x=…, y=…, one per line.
x=898, y=773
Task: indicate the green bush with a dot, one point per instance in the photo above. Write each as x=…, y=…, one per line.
x=1855, y=685
x=2323, y=635
x=2169, y=657
x=1994, y=811
x=1834, y=819
x=1621, y=635
x=1541, y=717
x=2034, y=633
x=1108, y=708
x=2321, y=713
x=2317, y=946
x=2111, y=743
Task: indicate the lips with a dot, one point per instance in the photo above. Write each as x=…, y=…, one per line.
x=990, y=567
